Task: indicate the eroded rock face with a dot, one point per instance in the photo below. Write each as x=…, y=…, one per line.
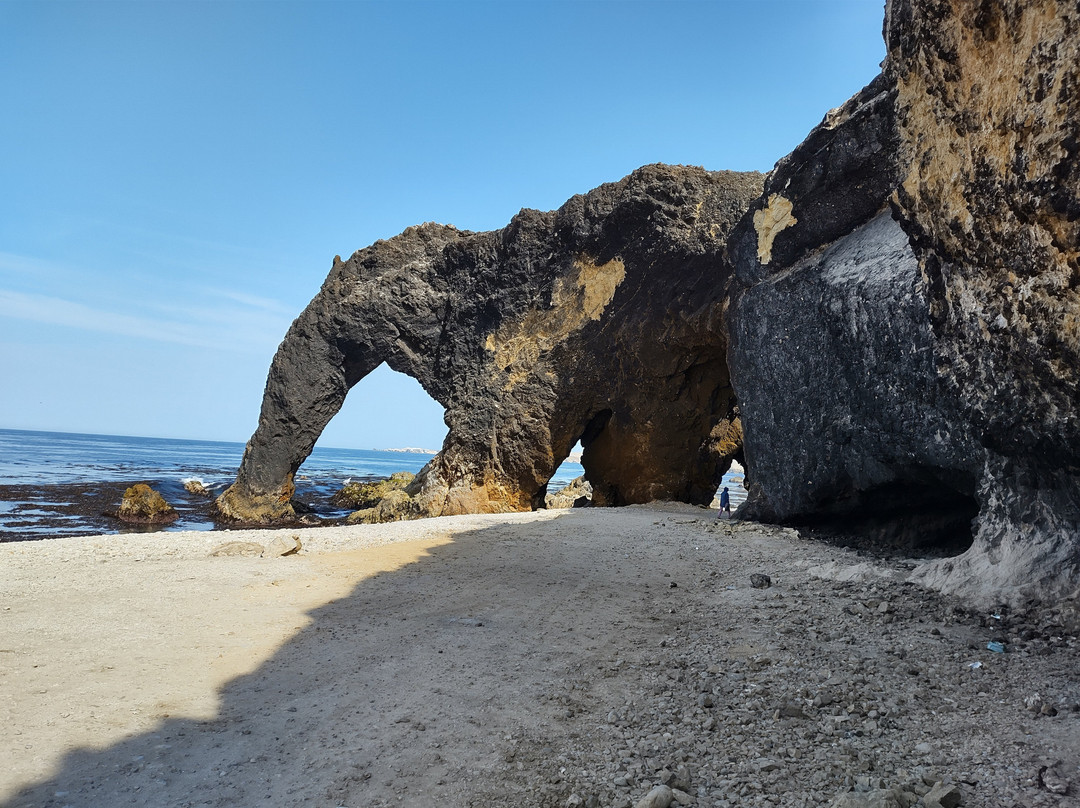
x=832, y=350
x=904, y=329
x=988, y=114
x=599, y=321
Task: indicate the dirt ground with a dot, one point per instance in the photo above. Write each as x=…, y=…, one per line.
x=558, y=658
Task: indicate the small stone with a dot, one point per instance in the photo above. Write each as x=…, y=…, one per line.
x=1050, y=779
x=877, y=798
x=760, y=581
x=659, y=797
x=281, y=546
x=943, y=796
x=792, y=709
x=682, y=797
x=575, y=801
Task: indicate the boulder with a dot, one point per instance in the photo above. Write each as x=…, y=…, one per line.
x=396, y=506
x=142, y=505
x=360, y=496
x=237, y=548
x=599, y=322
x=577, y=494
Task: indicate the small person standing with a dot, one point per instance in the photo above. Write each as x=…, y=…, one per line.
x=725, y=503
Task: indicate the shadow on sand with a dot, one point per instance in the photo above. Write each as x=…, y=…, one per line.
x=414, y=689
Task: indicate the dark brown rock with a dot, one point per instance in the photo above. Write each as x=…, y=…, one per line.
x=598, y=322
x=142, y=505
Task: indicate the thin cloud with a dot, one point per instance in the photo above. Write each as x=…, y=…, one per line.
x=22, y=265
x=70, y=314
x=252, y=301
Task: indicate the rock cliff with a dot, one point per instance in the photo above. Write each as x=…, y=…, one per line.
x=904, y=328
x=988, y=115
x=901, y=323
x=832, y=350
x=599, y=321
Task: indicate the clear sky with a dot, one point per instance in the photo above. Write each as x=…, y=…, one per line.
x=175, y=178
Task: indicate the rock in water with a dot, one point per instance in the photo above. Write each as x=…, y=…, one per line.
x=359, y=496
x=600, y=321
x=142, y=505
x=903, y=322
x=193, y=485
x=577, y=494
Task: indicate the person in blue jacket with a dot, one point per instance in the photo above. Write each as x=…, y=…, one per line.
x=725, y=503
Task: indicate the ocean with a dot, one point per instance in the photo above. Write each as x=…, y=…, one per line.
x=65, y=484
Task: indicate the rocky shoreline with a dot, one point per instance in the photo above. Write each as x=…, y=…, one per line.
x=42, y=512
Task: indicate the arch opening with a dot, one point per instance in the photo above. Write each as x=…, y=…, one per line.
x=574, y=487
x=387, y=424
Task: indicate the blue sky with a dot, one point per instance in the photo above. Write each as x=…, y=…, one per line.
x=175, y=178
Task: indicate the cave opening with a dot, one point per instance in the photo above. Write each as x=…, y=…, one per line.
x=903, y=518
x=572, y=486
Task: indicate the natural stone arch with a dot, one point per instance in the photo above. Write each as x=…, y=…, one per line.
x=611, y=303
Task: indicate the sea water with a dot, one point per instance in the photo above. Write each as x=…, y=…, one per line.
x=42, y=473
x=60, y=483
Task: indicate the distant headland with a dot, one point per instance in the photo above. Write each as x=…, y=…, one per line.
x=412, y=450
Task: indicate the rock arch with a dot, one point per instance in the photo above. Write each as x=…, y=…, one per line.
x=598, y=321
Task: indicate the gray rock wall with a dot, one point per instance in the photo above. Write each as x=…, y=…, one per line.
x=905, y=304
x=988, y=115
x=832, y=359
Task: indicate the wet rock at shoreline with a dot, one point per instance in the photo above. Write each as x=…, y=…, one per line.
x=142, y=505
x=193, y=485
x=359, y=496
x=577, y=494
x=396, y=506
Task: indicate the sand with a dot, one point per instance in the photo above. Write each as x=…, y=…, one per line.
x=548, y=658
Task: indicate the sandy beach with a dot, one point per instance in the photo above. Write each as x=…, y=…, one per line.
x=554, y=658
